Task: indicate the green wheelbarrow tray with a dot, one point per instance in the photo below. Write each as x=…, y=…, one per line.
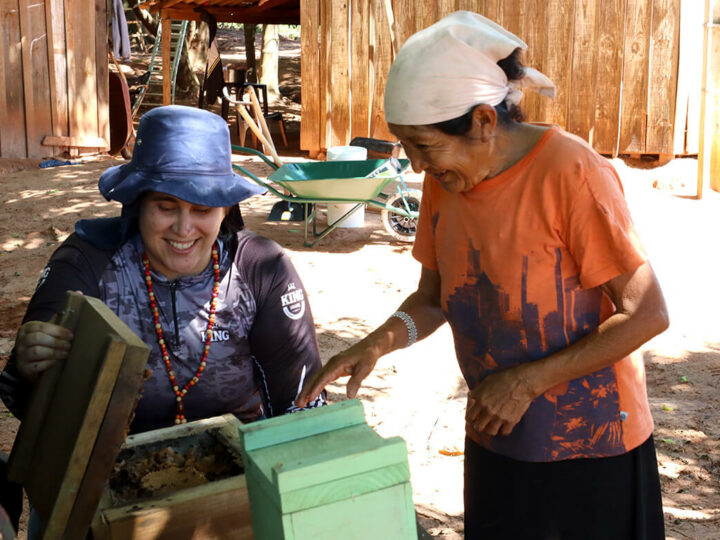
x=345, y=181
x=327, y=182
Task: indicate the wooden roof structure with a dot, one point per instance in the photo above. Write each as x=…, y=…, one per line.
x=238, y=11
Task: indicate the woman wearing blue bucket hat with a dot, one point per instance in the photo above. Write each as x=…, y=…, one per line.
x=222, y=309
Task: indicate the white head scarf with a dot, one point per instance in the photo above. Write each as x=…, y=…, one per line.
x=441, y=72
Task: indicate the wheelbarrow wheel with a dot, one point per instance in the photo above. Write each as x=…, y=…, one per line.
x=398, y=226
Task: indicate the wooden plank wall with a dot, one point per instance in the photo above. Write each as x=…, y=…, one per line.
x=53, y=75
x=627, y=71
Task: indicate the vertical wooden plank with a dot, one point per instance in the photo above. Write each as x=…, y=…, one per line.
x=52, y=78
x=514, y=16
x=382, y=58
x=467, y=5
x=687, y=108
x=404, y=12
x=359, y=68
x=166, y=42
x=705, y=116
x=71, y=63
x=12, y=128
x=609, y=76
x=535, y=36
x=310, y=74
x=101, y=74
x=663, y=76
x=445, y=7
x=55, y=17
x=339, y=74
x=713, y=98
x=425, y=15
x=636, y=66
x=3, y=100
x=38, y=120
x=324, y=80
x=82, y=78
x=492, y=9
x=557, y=49
x=582, y=85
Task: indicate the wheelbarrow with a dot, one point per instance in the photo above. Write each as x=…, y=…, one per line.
x=328, y=182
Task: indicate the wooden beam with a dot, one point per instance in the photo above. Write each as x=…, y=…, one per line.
x=32, y=105
x=663, y=76
x=339, y=75
x=251, y=15
x=714, y=112
x=166, y=60
x=265, y=5
x=636, y=71
x=76, y=142
x=12, y=108
x=610, y=44
x=56, y=12
x=310, y=75
x=54, y=113
x=102, y=70
x=687, y=114
x=705, y=117
x=709, y=152
x=360, y=69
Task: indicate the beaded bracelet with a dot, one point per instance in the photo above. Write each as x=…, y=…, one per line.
x=410, y=324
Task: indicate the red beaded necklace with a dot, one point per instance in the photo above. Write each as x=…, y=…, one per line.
x=180, y=392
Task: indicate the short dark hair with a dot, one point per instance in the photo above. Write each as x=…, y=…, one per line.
x=514, y=70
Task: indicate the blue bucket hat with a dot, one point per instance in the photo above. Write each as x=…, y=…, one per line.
x=184, y=152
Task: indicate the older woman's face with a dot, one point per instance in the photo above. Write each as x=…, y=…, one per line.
x=458, y=163
x=178, y=236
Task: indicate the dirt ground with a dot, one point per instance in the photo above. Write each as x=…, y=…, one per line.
x=356, y=277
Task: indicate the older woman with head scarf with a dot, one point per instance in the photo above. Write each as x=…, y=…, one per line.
x=222, y=309
x=529, y=252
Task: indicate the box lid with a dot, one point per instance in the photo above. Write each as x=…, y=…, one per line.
x=330, y=451
x=78, y=416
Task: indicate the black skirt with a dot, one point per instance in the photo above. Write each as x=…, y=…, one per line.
x=613, y=498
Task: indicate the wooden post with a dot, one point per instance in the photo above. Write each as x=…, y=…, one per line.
x=714, y=86
x=166, y=60
x=310, y=73
x=705, y=128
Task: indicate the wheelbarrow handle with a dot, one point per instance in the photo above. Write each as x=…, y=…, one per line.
x=266, y=185
x=252, y=151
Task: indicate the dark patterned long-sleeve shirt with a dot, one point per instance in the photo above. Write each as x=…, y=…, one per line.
x=263, y=343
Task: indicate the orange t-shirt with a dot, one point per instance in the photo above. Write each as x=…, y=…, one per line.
x=521, y=257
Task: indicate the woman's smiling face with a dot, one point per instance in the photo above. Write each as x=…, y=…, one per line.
x=178, y=236
x=457, y=162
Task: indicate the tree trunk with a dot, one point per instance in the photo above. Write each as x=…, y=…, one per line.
x=192, y=63
x=148, y=21
x=269, y=60
x=249, y=31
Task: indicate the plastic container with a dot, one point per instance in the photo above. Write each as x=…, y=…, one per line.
x=337, y=210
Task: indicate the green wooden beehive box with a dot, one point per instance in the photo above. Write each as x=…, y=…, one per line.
x=325, y=474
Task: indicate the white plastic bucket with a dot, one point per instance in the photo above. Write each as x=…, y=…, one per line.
x=346, y=153
x=337, y=210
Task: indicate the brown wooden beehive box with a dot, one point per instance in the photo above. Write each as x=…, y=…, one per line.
x=77, y=467
x=184, y=481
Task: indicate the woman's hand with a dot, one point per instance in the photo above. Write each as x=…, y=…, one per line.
x=498, y=403
x=356, y=362
x=39, y=345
